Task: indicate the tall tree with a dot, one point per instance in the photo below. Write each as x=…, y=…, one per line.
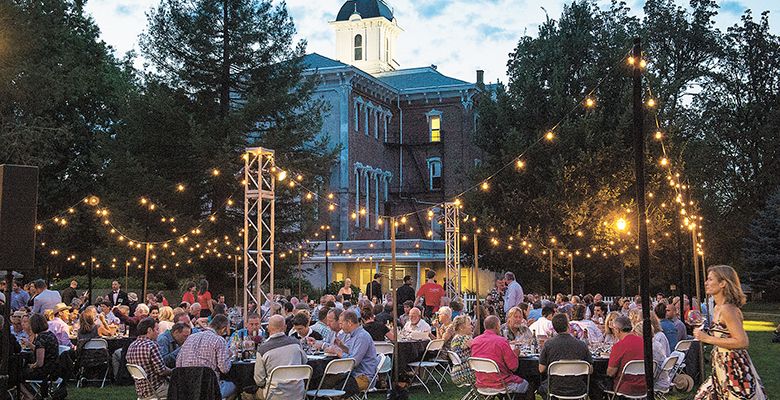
x=762, y=247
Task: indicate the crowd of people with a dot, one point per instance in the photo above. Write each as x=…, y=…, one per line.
x=202, y=331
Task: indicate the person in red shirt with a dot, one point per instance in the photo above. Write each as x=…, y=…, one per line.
x=628, y=348
x=432, y=293
x=491, y=345
x=204, y=298
x=189, y=294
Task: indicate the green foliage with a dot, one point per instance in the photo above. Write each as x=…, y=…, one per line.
x=103, y=285
x=762, y=248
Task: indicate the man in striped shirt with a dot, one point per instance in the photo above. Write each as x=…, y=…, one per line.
x=145, y=353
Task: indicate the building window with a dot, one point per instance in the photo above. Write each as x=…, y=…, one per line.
x=434, y=173
x=435, y=128
x=358, y=47
x=387, y=50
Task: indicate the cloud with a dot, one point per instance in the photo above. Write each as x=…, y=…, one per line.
x=459, y=36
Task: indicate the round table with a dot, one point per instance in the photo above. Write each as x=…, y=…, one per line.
x=409, y=351
x=242, y=373
x=528, y=368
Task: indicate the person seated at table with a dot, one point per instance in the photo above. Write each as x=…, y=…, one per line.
x=105, y=311
x=141, y=312
x=442, y=323
x=661, y=350
x=46, y=352
x=535, y=312
x=208, y=348
x=58, y=326
x=378, y=331
x=610, y=332
x=629, y=347
x=461, y=345
x=359, y=346
x=279, y=350
x=145, y=353
x=625, y=306
x=17, y=330
x=252, y=330
x=457, y=308
x=416, y=328
x=543, y=325
x=194, y=311
x=321, y=326
x=666, y=313
x=563, y=346
x=301, y=328
x=515, y=327
x=491, y=345
x=408, y=306
x=88, y=329
x=169, y=342
x=590, y=330
x=165, y=319
x=598, y=314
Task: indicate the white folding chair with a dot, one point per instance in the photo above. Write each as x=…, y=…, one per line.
x=286, y=374
x=456, y=361
x=632, y=368
x=385, y=348
x=429, y=367
x=488, y=366
x=570, y=368
x=95, y=344
x=342, y=366
x=666, y=370
x=138, y=373
x=684, y=345
x=384, y=366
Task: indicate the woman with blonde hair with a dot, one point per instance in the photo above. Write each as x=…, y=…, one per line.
x=346, y=290
x=461, y=345
x=733, y=374
x=166, y=319
x=610, y=333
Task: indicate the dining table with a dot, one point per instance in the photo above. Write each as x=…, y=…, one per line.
x=242, y=372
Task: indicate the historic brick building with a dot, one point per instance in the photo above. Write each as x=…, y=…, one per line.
x=406, y=144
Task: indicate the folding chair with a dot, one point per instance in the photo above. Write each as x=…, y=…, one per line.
x=93, y=354
x=384, y=366
x=571, y=368
x=44, y=389
x=684, y=345
x=341, y=366
x=286, y=374
x=634, y=368
x=456, y=361
x=385, y=348
x=488, y=366
x=667, y=367
x=138, y=373
x=430, y=367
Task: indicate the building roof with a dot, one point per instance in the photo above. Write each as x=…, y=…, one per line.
x=418, y=78
x=317, y=61
x=366, y=9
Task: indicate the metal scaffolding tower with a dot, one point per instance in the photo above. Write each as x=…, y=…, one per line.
x=452, y=248
x=259, y=220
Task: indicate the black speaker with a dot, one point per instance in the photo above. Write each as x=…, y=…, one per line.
x=18, y=205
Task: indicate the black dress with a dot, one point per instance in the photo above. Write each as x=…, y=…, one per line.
x=47, y=341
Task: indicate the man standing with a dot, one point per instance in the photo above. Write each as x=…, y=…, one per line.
x=69, y=293
x=431, y=292
x=170, y=342
x=359, y=346
x=19, y=297
x=628, y=348
x=374, y=288
x=404, y=293
x=45, y=299
x=513, y=293
x=563, y=346
x=117, y=297
x=279, y=350
x=493, y=346
x=144, y=353
x=208, y=349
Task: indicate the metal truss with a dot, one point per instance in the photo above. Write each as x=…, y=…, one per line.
x=259, y=224
x=452, y=248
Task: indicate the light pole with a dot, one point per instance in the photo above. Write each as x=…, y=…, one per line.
x=552, y=249
x=326, y=229
x=621, y=225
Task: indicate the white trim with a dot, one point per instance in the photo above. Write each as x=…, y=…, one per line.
x=430, y=162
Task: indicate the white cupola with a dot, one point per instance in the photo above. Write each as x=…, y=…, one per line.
x=366, y=33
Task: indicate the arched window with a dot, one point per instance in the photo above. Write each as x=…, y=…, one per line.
x=358, y=47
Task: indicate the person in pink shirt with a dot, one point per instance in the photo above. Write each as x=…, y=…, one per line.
x=491, y=345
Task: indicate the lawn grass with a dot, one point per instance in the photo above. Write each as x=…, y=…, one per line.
x=760, y=320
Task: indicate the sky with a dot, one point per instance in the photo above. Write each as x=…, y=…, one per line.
x=458, y=36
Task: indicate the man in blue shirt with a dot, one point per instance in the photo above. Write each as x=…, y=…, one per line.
x=19, y=297
x=513, y=294
x=359, y=345
x=170, y=342
x=667, y=324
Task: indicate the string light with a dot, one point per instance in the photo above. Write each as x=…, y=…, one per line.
x=590, y=102
x=520, y=164
x=549, y=136
x=485, y=186
x=180, y=187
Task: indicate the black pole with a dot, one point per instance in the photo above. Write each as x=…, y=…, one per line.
x=89, y=278
x=396, y=367
x=5, y=343
x=680, y=264
x=644, y=251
